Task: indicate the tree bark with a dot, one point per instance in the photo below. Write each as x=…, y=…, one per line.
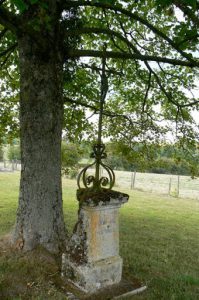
x=40, y=215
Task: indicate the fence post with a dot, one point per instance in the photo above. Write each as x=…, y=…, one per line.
x=4, y=162
x=170, y=187
x=178, y=187
x=133, y=174
x=13, y=166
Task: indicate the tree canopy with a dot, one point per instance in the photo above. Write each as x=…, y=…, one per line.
x=152, y=63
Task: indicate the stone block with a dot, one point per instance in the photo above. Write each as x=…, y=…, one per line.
x=92, y=258
x=102, y=231
x=93, y=276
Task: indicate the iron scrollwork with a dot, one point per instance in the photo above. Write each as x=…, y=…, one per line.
x=99, y=153
x=96, y=181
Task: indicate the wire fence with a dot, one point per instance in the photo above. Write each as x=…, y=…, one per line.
x=166, y=184
x=172, y=185
x=10, y=165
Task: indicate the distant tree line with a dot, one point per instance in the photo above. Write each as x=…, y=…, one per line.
x=161, y=159
x=1, y=153
x=13, y=150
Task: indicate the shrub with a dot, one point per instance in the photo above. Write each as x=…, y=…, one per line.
x=14, y=152
x=70, y=156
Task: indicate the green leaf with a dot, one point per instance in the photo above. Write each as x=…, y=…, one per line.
x=20, y=4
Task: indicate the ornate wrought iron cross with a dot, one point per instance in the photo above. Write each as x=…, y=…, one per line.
x=97, y=182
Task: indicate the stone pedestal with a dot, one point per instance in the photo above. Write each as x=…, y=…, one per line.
x=92, y=259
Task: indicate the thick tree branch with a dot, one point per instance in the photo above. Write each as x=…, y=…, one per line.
x=75, y=53
x=133, y=16
x=94, y=30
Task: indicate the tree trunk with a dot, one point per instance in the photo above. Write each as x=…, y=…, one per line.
x=40, y=214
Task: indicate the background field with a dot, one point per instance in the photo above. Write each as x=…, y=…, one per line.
x=160, y=183
x=159, y=242
x=172, y=185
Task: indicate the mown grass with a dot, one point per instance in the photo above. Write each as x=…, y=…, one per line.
x=159, y=242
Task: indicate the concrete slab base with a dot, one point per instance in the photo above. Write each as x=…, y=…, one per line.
x=90, y=277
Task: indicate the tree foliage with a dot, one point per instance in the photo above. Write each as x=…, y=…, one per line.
x=152, y=67
x=151, y=58
x=70, y=157
x=1, y=153
x=162, y=159
x=14, y=152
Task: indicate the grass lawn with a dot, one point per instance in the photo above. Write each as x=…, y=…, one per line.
x=159, y=242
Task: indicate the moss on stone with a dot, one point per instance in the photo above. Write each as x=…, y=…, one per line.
x=103, y=195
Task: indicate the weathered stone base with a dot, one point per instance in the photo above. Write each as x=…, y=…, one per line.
x=93, y=276
x=92, y=260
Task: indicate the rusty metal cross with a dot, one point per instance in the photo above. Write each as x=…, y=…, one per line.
x=96, y=182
